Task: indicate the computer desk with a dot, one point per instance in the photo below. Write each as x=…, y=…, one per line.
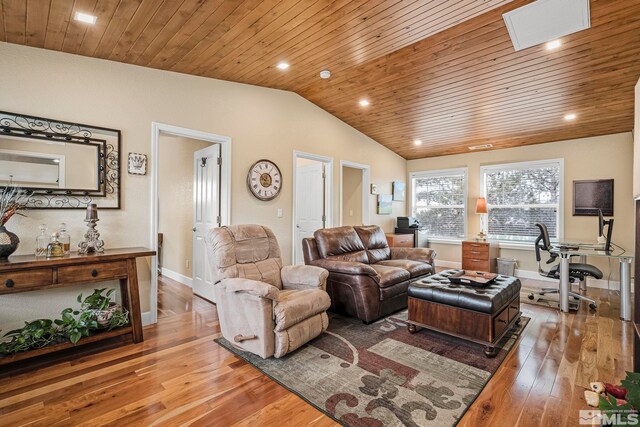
x=585, y=251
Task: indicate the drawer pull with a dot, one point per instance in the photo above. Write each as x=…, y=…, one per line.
x=501, y=321
x=94, y=273
x=9, y=283
x=515, y=308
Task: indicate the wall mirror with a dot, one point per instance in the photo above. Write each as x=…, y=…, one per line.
x=67, y=165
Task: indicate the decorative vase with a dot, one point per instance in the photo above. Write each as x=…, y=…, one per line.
x=8, y=243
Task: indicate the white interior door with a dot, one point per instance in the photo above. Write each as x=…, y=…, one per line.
x=310, y=203
x=206, y=214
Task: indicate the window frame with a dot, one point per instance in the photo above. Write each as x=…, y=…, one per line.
x=526, y=165
x=442, y=173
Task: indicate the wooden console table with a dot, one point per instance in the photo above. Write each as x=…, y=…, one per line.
x=28, y=273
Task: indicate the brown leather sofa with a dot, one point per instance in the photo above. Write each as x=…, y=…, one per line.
x=367, y=279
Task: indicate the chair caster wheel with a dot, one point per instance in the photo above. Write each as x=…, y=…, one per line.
x=593, y=306
x=576, y=298
x=531, y=297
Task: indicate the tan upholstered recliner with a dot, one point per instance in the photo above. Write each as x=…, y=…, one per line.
x=263, y=307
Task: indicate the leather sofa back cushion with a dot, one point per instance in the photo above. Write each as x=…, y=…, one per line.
x=341, y=243
x=375, y=242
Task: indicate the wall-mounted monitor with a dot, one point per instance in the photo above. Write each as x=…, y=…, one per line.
x=591, y=195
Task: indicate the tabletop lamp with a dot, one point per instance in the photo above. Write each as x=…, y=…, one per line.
x=481, y=209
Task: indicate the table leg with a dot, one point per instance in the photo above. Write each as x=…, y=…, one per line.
x=564, y=282
x=583, y=282
x=134, y=300
x=625, y=289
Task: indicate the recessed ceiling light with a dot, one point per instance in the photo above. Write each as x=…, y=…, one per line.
x=569, y=117
x=364, y=103
x=85, y=17
x=283, y=65
x=554, y=44
x=325, y=74
x=480, y=147
x=417, y=142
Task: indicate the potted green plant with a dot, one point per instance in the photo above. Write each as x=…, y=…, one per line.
x=99, y=304
x=35, y=334
x=73, y=328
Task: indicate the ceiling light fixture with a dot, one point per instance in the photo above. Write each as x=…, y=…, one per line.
x=417, y=142
x=283, y=65
x=569, y=117
x=85, y=17
x=554, y=44
x=325, y=74
x=480, y=147
x=364, y=103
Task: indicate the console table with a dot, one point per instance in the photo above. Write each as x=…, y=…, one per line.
x=27, y=273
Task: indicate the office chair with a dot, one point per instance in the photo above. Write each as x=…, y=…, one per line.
x=577, y=271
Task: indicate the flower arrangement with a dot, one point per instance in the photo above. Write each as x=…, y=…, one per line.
x=12, y=200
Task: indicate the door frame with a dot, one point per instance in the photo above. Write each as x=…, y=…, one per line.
x=225, y=195
x=328, y=161
x=366, y=180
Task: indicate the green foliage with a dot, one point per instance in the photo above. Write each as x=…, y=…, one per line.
x=97, y=301
x=75, y=324
x=72, y=325
x=610, y=406
x=35, y=334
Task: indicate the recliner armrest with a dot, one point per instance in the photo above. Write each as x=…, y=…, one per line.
x=414, y=254
x=345, y=267
x=253, y=287
x=304, y=277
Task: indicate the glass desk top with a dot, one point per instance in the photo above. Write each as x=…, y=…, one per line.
x=589, y=250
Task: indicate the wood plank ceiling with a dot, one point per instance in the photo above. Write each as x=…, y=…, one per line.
x=441, y=71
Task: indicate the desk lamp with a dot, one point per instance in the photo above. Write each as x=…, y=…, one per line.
x=481, y=209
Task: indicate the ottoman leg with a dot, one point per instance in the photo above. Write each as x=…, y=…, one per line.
x=490, y=352
x=412, y=328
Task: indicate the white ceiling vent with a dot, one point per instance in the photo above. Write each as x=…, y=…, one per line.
x=546, y=20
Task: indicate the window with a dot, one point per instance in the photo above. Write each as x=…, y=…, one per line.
x=519, y=195
x=439, y=200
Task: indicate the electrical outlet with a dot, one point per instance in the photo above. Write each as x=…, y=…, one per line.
x=188, y=264
x=350, y=212
x=279, y=212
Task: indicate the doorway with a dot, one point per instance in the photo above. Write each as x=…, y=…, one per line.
x=354, y=193
x=190, y=195
x=312, y=197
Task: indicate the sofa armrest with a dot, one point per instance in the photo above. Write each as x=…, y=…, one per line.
x=304, y=277
x=253, y=287
x=414, y=254
x=345, y=267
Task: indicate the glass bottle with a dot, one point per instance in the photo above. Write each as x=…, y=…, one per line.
x=55, y=248
x=64, y=238
x=42, y=241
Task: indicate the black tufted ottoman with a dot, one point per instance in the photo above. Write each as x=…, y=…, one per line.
x=482, y=315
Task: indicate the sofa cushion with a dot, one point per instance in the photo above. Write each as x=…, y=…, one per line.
x=340, y=243
x=375, y=242
x=415, y=268
x=390, y=276
x=394, y=291
x=294, y=306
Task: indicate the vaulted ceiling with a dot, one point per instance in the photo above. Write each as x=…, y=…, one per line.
x=441, y=71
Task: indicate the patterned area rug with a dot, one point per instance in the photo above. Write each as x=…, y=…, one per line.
x=381, y=375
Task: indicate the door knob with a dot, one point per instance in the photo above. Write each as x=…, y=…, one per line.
x=194, y=229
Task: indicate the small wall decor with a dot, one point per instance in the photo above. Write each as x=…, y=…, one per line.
x=374, y=189
x=591, y=195
x=137, y=164
x=399, y=191
x=264, y=180
x=385, y=204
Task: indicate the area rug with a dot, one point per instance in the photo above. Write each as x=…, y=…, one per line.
x=381, y=375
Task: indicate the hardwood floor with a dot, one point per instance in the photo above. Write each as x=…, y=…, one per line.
x=179, y=376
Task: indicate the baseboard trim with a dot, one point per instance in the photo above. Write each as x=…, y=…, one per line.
x=177, y=277
x=147, y=318
x=613, y=285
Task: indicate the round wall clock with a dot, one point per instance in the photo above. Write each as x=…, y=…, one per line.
x=264, y=180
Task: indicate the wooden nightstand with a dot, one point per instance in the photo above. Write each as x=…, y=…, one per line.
x=400, y=240
x=479, y=255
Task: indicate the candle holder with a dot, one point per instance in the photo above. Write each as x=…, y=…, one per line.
x=92, y=242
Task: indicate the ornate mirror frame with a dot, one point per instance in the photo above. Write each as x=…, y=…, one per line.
x=107, y=142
